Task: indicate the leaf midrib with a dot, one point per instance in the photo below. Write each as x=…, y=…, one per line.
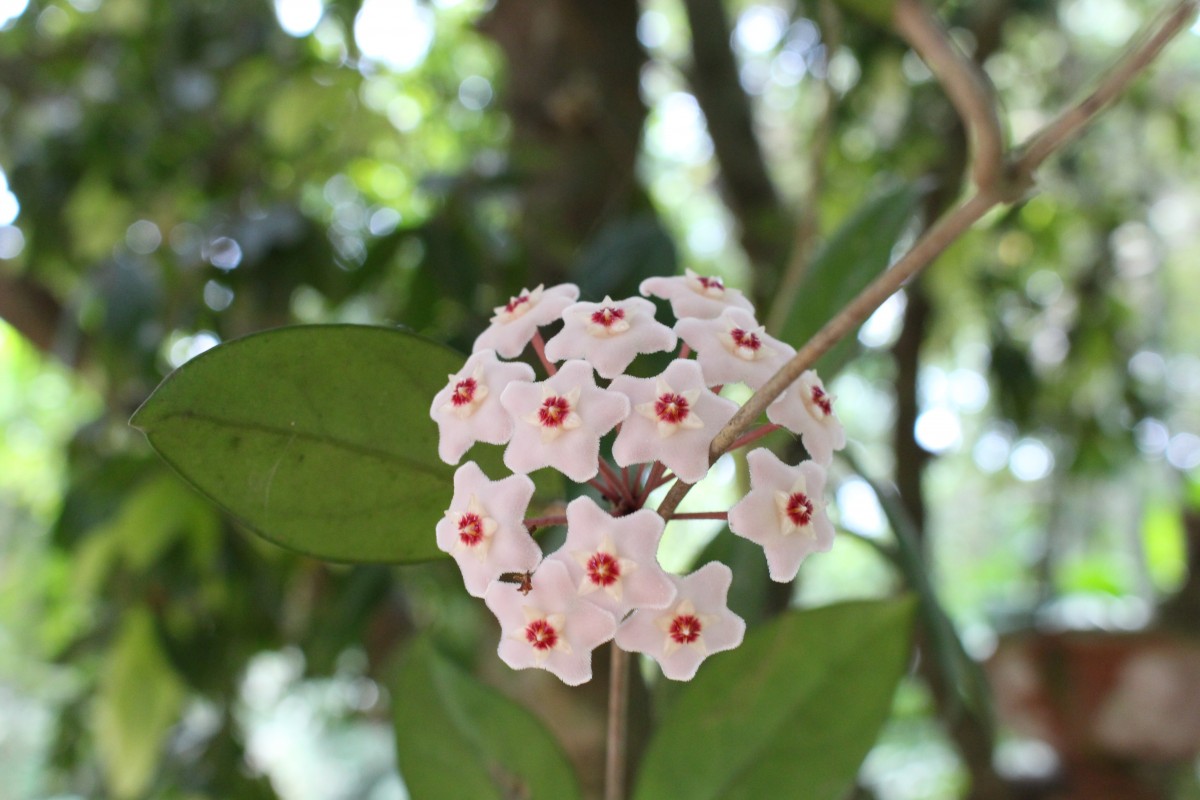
x=299, y=433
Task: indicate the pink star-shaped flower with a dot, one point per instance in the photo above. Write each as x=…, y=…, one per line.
x=468, y=409
x=560, y=420
x=784, y=512
x=610, y=335
x=734, y=348
x=613, y=560
x=551, y=627
x=484, y=529
x=806, y=409
x=693, y=295
x=695, y=625
x=515, y=322
x=674, y=419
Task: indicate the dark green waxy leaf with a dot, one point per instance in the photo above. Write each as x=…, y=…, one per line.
x=877, y=11
x=456, y=737
x=799, y=704
x=856, y=253
x=318, y=437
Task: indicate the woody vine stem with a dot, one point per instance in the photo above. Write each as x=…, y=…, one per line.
x=1001, y=176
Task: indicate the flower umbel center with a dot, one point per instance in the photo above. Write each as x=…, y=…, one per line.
x=685, y=628
x=711, y=284
x=671, y=407
x=470, y=529
x=606, y=316
x=554, y=411
x=799, y=509
x=603, y=569
x=541, y=635
x=747, y=340
x=464, y=392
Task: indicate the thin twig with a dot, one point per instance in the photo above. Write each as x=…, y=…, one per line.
x=754, y=435
x=545, y=522
x=945, y=231
x=927, y=248
x=966, y=85
x=1068, y=124
x=618, y=717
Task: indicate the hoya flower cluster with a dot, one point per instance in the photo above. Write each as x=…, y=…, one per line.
x=605, y=582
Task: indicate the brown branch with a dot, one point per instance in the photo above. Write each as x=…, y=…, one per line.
x=945, y=232
x=1069, y=123
x=927, y=248
x=745, y=180
x=966, y=85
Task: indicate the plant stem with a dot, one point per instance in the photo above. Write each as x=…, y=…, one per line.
x=544, y=522
x=618, y=717
x=966, y=85
x=701, y=515
x=539, y=347
x=614, y=480
x=754, y=435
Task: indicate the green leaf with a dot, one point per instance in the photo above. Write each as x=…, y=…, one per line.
x=877, y=11
x=139, y=699
x=799, y=704
x=856, y=253
x=456, y=737
x=317, y=437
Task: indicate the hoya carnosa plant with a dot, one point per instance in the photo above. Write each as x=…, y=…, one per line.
x=605, y=581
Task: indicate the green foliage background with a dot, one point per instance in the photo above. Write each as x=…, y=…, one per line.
x=188, y=173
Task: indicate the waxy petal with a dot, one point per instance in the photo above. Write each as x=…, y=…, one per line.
x=506, y=545
x=725, y=362
x=629, y=575
x=551, y=627
x=807, y=410
x=645, y=436
x=761, y=516
x=478, y=416
x=693, y=295
x=574, y=446
x=510, y=331
x=610, y=335
x=697, y=624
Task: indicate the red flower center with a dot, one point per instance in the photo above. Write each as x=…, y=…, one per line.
x=711, y=283
x=606, y=316
x=603, y=569
x=541, y=635
x=799, y=509
x=671, y=407
x=685, y=628
x=554, y=411
x=745, y=339
x=516, y=302
x=464, y=392
x=822, y=400
x=470, y=529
